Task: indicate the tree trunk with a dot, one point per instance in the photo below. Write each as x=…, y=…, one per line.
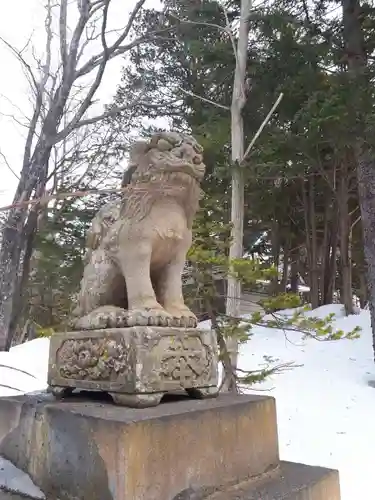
x=19, y=303
x=275, y=245
x=332, y=270
x=315, y=288
x=363, y=291
x=344, y=223
x=286, y=258
x=14, y=240
x=237, y=207
x=294, y=257
x=366, y=190
x=311, y=242
x=325, y=250
x=356, y=57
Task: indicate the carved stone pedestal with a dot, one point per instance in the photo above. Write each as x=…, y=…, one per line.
x=136, y=365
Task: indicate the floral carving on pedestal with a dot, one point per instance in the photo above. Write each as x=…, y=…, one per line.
x=93, y=359
x=187, y=360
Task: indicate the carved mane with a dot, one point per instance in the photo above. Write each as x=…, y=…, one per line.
x=155, y=172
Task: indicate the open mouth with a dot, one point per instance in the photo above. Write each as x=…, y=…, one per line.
x=191, y=166
x=191, y=169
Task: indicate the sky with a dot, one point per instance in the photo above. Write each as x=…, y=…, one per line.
x=20, y=21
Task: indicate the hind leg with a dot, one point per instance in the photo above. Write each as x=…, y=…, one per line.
x=102, y=292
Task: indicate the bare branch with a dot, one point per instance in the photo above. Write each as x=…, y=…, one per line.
x=19, y=370
x=94, y=87
x=2, y=96
x=231, y=37
x=127, y=29
x=47, y=65
x=44, y=200
x=224, y=29
x=355, y=223
x=95, y=3
x=22, y=60
x=10, y=387
x=63, y=32
x=96, y=60
x=91, y=36
x=95, y=6
x=8, y=165
x=31, y=134
x=204, y=99
x=68, y=154
x=15, y=119
x=260, y=130
x=40, y=88
x=28, y=41
x=68, y=74
x=117, y=48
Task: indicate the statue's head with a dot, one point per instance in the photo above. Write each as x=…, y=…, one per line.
x=166, y=153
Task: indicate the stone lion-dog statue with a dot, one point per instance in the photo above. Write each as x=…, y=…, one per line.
x=137, y=246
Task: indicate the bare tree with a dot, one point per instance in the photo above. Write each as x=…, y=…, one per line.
x=240, y=49
x=63, y=96
x=240, y=94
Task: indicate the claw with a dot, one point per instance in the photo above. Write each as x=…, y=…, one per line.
x=164, y=321
x=152, y=321
x=113, y=317
x=184, y=322
x=142, y=321
x=121, y=321
x=131, y=321
x=176, y=322
x=192, y=322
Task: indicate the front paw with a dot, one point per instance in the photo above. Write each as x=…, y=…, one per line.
x=149, y=317
x=101, y=318
x=189, y=321
x=182, y=317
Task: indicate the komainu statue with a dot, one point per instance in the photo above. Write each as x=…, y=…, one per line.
x=136, y=247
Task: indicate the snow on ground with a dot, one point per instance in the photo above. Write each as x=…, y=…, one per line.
x=15, y=480
x=24, y=368
x=325, y=407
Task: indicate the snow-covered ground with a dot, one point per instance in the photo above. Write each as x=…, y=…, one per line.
x=24, y=368
x=325, y=407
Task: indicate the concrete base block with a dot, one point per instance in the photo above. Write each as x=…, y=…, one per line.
x=96, y=451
